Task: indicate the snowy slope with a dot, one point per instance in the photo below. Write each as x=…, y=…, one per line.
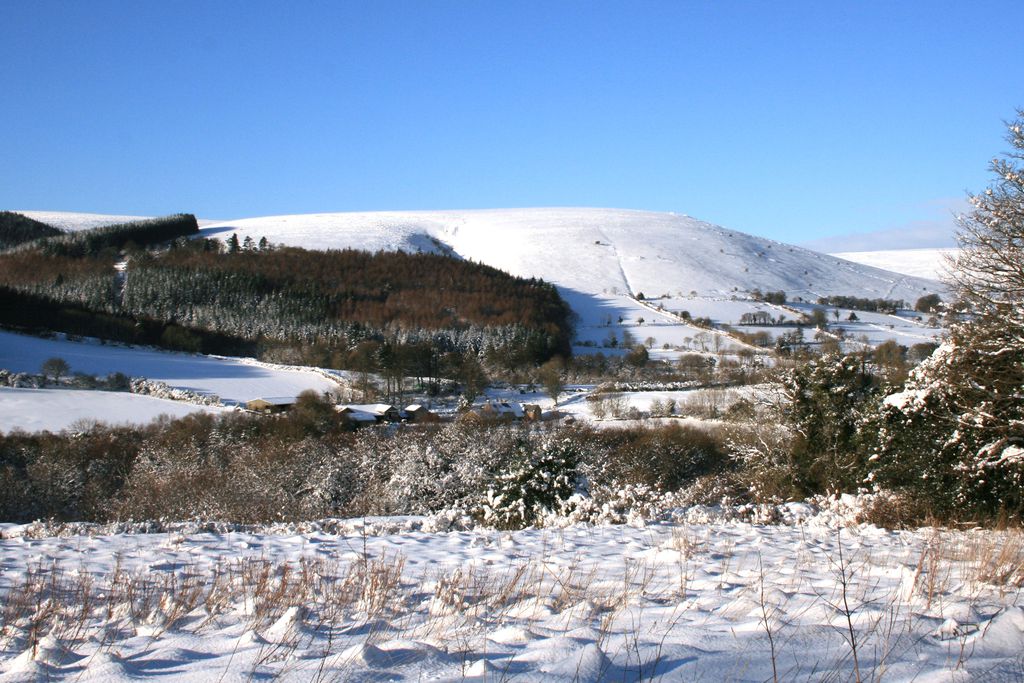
x=928, y=263
x=234, y=380
x=67, y=220
x=77, y=221
x=54, y=410
x=599, y=259
x=588, y=250
x=594, y=250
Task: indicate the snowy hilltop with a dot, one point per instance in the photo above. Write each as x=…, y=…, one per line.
x=593, y=251
x=604, y=260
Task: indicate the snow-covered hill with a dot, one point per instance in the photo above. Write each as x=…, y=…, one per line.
x=67, y=220
x=593, y=250
x=927, y=263
x=600, y=259
x=588, y=250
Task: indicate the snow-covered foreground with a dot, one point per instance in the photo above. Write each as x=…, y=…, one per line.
x=699, y=599
x=54, y=410
x=234, y=380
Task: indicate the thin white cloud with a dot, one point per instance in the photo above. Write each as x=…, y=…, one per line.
x=937, y=230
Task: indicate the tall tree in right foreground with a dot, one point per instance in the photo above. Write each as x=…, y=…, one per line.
x=956, y=433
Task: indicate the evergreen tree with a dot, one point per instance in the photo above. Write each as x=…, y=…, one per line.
x=532, y=480
x=957, y=431
x=469, y=373
x=831, y=399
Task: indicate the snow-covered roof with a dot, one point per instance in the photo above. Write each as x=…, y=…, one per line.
x=377, y=409
x=504, y=408
x=275, y=400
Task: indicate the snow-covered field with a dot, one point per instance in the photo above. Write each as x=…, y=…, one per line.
x=701, y=599
x=906, y=328
x=234, y=380
x=699, y=401
x=55, y=410
x=927, y=263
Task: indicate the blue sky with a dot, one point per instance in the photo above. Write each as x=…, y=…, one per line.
x=798, y=121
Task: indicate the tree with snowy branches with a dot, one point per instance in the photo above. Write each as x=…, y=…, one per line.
x=956, y=432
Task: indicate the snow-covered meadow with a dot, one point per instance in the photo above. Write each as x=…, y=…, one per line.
x=55, y=410
x=234, y=380
x=704, y=596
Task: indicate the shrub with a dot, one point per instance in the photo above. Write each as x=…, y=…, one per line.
x=665, y=458
x=928, y=303
x=535, y=480
x=831, y=400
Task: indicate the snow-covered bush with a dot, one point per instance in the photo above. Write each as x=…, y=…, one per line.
x=664, y=458
x=534, y=480
x=943, y=440
x=768, y=469
x=243, y=469
x=225, y=469
x=444, y=468
x=148, y=387
x=831, y=401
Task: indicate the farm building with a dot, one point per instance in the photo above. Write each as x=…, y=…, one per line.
x=501, y=410
x=419, y=413
x=379, y=412
x=271, y=404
